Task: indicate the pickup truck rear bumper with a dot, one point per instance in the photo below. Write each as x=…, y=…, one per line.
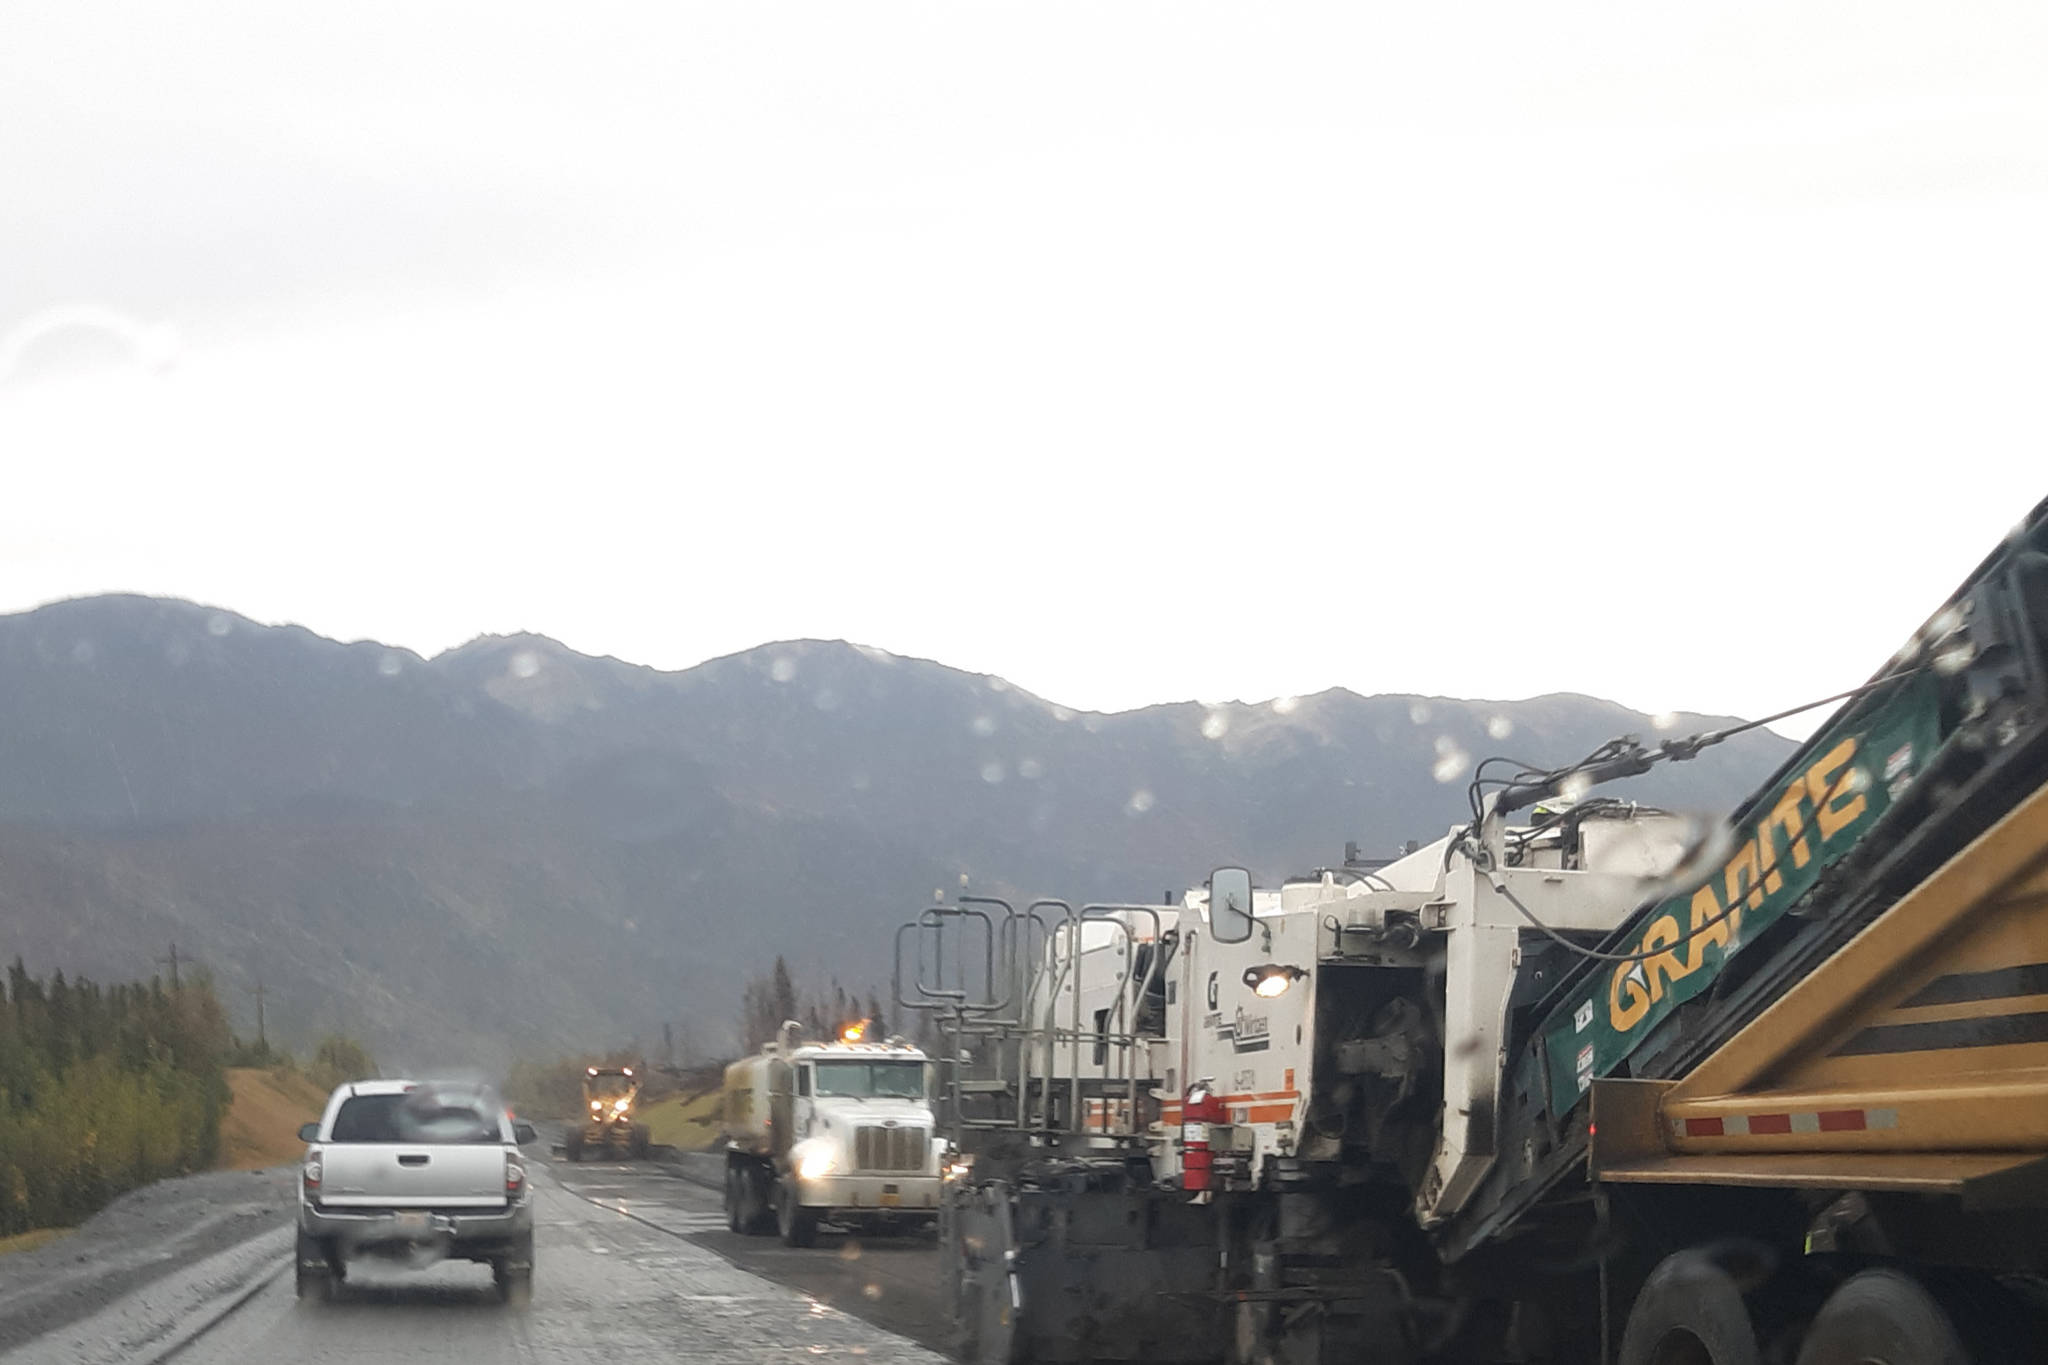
x=464, y=1231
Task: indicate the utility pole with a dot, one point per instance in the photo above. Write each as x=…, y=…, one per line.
x=173, y=960
x=262, y=1043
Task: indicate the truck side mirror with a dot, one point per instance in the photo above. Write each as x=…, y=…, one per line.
x=309, y=1132
x=523, y=1133
x=1230, y=905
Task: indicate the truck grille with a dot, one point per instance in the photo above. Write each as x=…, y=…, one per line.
x=889, y=1149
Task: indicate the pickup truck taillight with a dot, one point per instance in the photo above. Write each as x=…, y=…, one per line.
x=515, y=1176
x=309, y=1174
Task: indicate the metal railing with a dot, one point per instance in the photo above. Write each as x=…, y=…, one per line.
x=1007, y=990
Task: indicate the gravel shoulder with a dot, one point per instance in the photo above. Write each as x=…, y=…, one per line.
x=139, y=1238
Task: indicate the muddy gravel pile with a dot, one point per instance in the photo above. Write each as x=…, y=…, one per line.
x=141, y=1236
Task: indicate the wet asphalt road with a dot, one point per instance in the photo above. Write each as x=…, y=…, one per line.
x=890, y=1281
x=630, y=1265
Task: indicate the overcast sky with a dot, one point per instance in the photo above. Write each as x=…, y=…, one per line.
x=1686, y=356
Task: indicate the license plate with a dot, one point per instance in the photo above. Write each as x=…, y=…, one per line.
x=412, y=1224
x=890, y=1199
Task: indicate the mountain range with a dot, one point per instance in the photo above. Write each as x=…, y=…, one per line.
x=513, y=848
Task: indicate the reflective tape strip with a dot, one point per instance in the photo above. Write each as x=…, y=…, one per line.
x=1779, y=1125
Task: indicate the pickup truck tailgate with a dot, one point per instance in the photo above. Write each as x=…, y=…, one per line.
x=416, y=1176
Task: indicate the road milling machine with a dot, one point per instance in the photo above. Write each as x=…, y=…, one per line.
x=1581, y=1081
x=609, y=1129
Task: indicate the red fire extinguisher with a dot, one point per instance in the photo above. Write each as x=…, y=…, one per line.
x=1201, y=1108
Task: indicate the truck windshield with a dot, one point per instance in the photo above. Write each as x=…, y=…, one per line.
x=891, y=1080
x=412, y=1118
x=608, y=1086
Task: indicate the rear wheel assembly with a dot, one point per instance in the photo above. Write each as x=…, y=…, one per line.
x=1690, y=1312
x=314, y=1275
x=1882, y=1317
x=512, y=1272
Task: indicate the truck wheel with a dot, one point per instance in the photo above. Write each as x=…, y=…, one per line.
x=760, y=1216
x=572, y=1147
x=314, y=1276
x=797, y=1224
x=636, y=1145
x=1690, y=1312
x=1884, y=1318
x=512, y=1273
x=734, y=1222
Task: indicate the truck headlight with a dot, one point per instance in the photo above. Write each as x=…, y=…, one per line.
x=814, y=1164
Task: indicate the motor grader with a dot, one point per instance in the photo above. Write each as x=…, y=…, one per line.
x=607, y=1129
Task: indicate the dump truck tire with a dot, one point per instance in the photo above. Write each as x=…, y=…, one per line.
x=572, y=1147
x=797, y=1224
x=1689, y=1310
x=637, y=1143
x=1886, y=1317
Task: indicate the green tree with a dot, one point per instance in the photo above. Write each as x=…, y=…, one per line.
x=339, y=1060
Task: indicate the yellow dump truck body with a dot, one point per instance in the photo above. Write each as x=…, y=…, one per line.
x=1915, y=1058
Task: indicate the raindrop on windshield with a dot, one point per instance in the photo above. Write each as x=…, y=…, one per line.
x=1418, y=713
x=1216, y=724
x=1451, y=760
x=1574, y=788
x=1943, y=622
x=872, y=1291
x=1140, y=802
x=991, y=773
x=525, y=664
x=1030, y=769
x=1499, y=727
x=1286, y=706
x=390, y=665
x=850, y=1251
x=1664, y=722
x=218, y=624
x=82, y=652
x=1954, y=658
x=826, y=700
x=783, y=669
x=984, y=726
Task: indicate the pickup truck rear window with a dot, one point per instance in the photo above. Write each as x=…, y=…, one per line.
x=404, y=1118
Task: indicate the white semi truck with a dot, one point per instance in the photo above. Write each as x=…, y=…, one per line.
x=833, y=1131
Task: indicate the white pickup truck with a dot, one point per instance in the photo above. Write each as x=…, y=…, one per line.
x=415, y=1171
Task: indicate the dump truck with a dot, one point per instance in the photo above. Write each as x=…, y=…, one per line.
x=835, y=1130
x=608, y=1129
x=1579, y=1081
